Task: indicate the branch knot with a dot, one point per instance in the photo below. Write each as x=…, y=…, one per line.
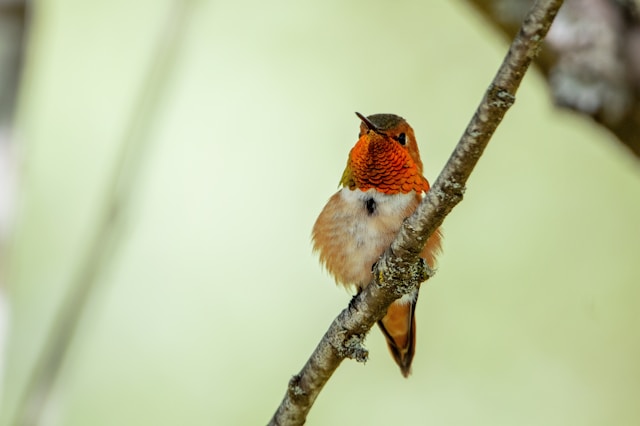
x=295, y=391
x=353, y=348
x=400, y=275
x=350, y=345
x=499, y=97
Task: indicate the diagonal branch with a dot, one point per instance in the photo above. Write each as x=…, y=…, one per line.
x=399, y=270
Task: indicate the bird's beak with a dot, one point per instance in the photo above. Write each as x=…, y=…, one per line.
x=369, y=124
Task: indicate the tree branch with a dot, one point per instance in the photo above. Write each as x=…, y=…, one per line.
x=399, y=270
x=591, y=59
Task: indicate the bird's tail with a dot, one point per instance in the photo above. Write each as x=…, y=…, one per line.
x=399, y=328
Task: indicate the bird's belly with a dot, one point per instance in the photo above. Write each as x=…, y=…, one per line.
x=355, y=228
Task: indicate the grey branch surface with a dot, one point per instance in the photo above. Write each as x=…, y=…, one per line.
x=399, y=269
x=591, y=59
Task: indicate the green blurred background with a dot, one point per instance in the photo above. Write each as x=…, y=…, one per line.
x=210, y=298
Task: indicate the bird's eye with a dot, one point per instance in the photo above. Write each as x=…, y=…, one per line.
x=402, y=139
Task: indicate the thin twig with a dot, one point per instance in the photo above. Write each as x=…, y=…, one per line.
x=136, y=140
x=398, y=271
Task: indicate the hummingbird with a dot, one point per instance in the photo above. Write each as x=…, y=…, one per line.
x=382, y=185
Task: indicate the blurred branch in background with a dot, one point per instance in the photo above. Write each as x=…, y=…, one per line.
x=396, y=273
x=13, y=17
x=591, y=59
x=13, y=22
x=108, y=232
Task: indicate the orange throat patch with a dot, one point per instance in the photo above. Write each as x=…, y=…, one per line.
x=384, y=166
